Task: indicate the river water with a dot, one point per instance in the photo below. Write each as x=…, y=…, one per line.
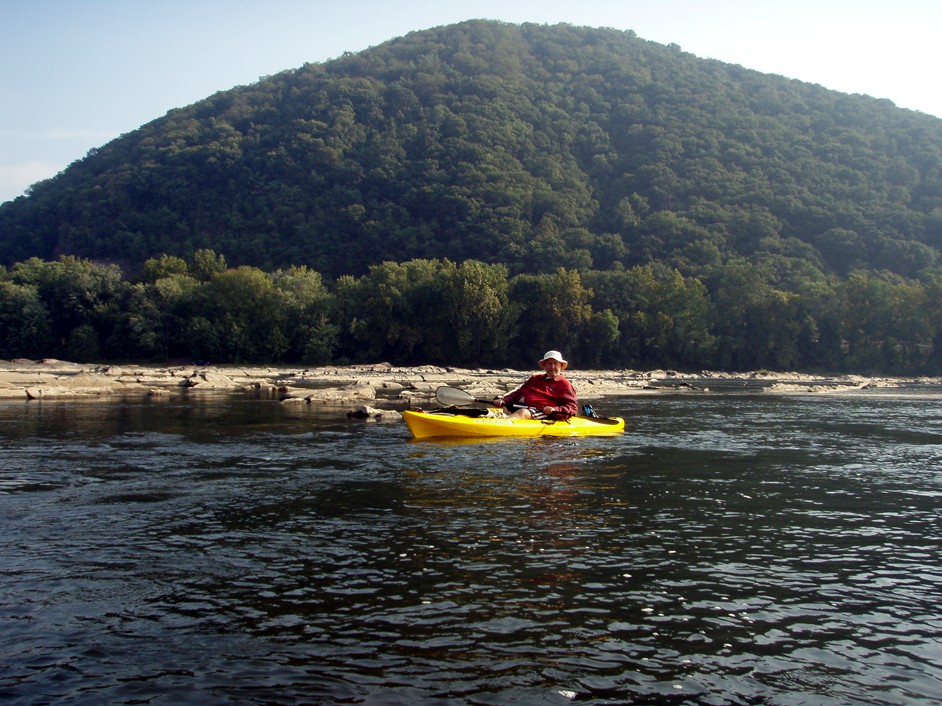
x=727, y=549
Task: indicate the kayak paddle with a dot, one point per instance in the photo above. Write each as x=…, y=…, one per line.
x=453, y=396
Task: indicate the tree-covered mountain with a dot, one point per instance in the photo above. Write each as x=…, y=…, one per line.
x=476, y=194
x=533, y=146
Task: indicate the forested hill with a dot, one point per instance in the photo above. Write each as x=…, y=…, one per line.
x=534, y=146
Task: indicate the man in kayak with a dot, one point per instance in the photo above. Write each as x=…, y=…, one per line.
x=543, y=395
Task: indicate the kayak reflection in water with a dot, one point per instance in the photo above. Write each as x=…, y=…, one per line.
x=544, y=395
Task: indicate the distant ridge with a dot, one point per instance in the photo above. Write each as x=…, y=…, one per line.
x=530, y=145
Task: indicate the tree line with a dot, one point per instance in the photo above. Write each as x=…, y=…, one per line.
x=739, y=315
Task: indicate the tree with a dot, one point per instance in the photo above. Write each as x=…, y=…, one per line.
x=757, y=325
x=25, y=324
x=207, y=264
x=78, y=295
x=164, y=266
x=555, y=309
x=664, y=319
x=479, y=312
x=600, y=338
x=247, y=315
x=307, y=310
x=395, y=311
x=159, y=315
x=886, y=323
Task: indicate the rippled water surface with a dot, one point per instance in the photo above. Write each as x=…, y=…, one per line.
x=727, y=549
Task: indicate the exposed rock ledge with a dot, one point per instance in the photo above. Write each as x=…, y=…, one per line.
x=384, y=384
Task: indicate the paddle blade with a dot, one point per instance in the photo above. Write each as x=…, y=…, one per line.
x=452, y=395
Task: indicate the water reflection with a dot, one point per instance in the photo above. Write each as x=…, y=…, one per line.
x=725, y=550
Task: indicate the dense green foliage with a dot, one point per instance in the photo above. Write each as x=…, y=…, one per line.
x=536, y=147
x=483, y=191
x=470, y=314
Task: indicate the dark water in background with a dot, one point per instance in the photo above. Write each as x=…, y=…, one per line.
x=728, y=549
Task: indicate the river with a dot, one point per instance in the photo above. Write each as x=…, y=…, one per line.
x=727, y=549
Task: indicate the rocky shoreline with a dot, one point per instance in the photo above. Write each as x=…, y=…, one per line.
x=378, y=390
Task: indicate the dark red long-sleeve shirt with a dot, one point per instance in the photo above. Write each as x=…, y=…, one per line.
x=541, y=391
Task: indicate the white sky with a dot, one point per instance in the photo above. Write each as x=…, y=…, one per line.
x=75, y=74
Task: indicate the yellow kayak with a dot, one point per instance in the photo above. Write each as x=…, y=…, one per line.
x=428, y=424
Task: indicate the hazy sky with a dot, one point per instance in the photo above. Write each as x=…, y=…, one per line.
x=75, y=74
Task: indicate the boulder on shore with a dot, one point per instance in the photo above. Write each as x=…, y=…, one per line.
x=373, y=414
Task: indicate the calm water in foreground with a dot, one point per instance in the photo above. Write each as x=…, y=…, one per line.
x=728, y=549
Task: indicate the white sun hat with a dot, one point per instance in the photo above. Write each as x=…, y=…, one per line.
x=554, y=355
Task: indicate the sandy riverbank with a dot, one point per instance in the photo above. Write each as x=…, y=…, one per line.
x=381, y=384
